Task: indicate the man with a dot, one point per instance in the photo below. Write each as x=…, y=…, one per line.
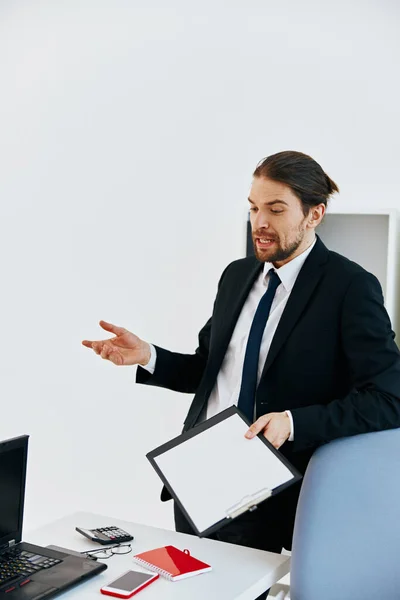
x=299, y=338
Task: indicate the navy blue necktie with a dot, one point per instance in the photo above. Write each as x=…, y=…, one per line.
x=250, y=366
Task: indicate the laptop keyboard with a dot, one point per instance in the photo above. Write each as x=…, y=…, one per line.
x=20, y=563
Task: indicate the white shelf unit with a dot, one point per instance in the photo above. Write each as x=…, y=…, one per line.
x=371, y=239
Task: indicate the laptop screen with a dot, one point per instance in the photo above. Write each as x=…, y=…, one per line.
x=12, y=488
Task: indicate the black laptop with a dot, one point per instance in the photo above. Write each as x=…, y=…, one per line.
x=29, y=572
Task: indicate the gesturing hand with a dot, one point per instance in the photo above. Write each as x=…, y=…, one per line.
x=275, y=427
x=125, y=348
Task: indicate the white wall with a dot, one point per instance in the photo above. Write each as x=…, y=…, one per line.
x=128, y=134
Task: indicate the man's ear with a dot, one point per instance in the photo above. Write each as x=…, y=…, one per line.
x=316, y=215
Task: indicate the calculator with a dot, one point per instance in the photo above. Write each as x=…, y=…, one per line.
x=106, y=535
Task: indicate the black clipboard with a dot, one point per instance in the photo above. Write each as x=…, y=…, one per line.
x=239, y=505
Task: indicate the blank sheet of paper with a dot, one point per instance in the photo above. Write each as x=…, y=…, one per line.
x=217, y=468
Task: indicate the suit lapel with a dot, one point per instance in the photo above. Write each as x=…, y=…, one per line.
x=236, y=298
x=236, y=295
x=300, y=295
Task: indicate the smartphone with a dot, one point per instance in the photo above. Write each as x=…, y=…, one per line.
x=129, y=584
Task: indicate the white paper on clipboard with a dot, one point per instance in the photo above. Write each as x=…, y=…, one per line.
x=219, y=468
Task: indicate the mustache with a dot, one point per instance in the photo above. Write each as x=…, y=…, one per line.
x=265, y=234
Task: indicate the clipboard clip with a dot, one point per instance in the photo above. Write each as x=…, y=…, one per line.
x=248, y=503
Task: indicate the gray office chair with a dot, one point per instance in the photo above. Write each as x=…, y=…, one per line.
x=346, y=543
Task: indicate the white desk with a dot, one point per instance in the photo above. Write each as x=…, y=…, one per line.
x=238, y=573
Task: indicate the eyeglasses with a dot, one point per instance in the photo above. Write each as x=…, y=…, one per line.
x=104, y=553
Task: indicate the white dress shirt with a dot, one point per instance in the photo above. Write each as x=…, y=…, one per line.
x=227, y=387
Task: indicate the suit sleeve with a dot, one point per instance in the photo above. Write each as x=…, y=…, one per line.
x=180, y=372
x=373, y=359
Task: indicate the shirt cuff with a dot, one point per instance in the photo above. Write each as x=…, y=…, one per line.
x=151, y=365
x=291, y=436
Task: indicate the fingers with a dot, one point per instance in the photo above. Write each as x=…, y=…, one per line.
x=112, y=328
x=106, y=351
x=274, y=427
x=96, y=346
x=276, y=441
x=110, y=353
x=258, y=426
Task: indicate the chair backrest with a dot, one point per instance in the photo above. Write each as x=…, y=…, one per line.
x=346, y=543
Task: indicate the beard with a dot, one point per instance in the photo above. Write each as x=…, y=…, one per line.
x=281, y=252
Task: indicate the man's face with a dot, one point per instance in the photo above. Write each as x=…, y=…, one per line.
x=279, y=228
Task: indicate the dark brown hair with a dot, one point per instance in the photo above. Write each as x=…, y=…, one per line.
x=302, y=174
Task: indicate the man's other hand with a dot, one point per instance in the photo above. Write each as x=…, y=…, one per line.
x=274, y=426
x=125, y=348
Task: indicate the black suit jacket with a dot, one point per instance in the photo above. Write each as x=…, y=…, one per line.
x=333, y=361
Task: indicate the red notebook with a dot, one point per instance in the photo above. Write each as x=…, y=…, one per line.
x=171, y=563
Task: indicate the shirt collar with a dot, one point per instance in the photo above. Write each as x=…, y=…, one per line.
x=288, y=273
